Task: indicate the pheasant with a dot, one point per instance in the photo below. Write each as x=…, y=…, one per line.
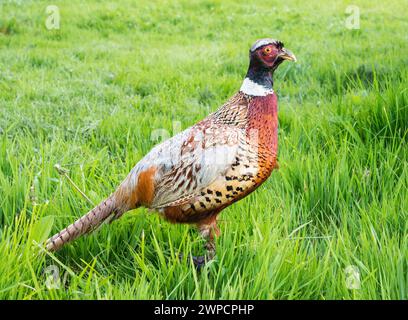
x=194, y=175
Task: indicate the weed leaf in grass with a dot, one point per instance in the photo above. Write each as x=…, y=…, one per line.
x=42, y=229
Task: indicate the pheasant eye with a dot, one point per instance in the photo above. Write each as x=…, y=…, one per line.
x=267, y=50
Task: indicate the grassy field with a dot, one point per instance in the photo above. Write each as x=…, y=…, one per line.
x=94, y=95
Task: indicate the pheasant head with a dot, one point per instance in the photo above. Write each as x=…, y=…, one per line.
x=265, y=56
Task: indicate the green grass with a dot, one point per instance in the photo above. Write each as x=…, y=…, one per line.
x=90, y=95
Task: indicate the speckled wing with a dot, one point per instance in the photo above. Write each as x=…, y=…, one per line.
x=196, y=157
x=205, y=155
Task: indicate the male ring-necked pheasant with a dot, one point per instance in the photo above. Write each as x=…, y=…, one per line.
x=191, y=177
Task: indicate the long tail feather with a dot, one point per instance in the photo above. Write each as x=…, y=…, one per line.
x=83, y=225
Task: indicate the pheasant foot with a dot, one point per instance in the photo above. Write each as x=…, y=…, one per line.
x=200, y=261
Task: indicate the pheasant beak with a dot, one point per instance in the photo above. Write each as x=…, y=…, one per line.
x=286, y=54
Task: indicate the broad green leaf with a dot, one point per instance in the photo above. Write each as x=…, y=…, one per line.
x=42, y=228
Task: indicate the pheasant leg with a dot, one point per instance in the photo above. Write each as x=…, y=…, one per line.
x=208, y=232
